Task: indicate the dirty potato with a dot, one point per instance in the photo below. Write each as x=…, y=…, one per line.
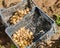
x=23, y=37
x=18, y=15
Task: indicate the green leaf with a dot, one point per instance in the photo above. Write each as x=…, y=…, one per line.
x=13, y=46
x=58, y=19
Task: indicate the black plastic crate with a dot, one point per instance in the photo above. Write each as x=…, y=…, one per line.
x=37, y=22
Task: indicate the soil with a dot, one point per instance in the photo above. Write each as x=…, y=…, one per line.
x=50, y=7
x=5, y=41
x=8, y=3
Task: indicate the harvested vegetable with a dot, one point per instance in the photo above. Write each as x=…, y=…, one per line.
x=18, y=15
x=23, y=37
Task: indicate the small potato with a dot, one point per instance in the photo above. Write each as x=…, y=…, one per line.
x=27, y=9
x=14, y=35
x=23, y=45
x=17, y=20
x=18, y=31
x=17, y=17
x=16, y=13
x=23, y=28
x=14, y=22
x=18, y=34
x=16, y=41
x=19, y=44
x=31, y=33
x=25, y=12
x=22, y=12
x=20, y=18
x=27, y=30
x=14, y=19
x=13, y=16
x=19, y=11
x=29, y=36
x=25, y=42
x=21, y=15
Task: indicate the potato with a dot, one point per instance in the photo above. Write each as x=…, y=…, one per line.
x=27, y=9
x=18, y=15
x=25, y=12
x=23, y=37
x=31, y=33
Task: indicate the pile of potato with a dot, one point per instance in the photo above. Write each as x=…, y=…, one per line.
x=18, y=15
x=23, y=37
